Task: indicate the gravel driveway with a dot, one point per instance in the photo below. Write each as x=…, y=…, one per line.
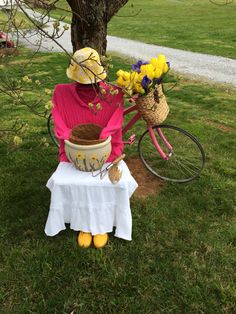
x=208, y=67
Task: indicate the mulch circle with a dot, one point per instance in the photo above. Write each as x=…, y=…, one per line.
x=148, y=183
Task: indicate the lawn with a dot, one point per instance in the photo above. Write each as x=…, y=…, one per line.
x=182, y=256
x=194, y=25
x=21, y=22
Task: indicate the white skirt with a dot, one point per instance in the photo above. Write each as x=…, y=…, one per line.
x=88, y=203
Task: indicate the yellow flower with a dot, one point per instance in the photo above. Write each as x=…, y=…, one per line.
x=123, y=82
x=127, y=80
x=120, y=73
x=138, y=88
x=160, y=65
x=153, y=61
x=120, y=81
x=158, y=73
x=147, y=69
x=103, y=91
x=80, y=156
x=47, y=91
x=140, y=77
x=166, y=68
x=25, y=78
x=48, y=105
x=17, y=140
x=134, y=77
x=126, y=76
x=161, y=61
x=161, y=58
x=94, y=157
x=98, y=106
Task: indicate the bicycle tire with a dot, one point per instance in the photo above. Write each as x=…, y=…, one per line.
x=184, y=169
x=51, y=130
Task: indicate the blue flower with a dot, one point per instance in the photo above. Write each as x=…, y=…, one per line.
x=136, y=66
x=146, y=82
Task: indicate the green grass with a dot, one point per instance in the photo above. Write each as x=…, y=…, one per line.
x=182, y=256
x=21, y=22
x=193, y=25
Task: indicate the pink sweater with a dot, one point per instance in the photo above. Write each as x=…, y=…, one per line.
x=71, y=108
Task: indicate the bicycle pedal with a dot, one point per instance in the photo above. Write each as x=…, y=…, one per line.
x=132, y=139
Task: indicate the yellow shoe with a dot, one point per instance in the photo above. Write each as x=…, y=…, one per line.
x=100, y=240
x=84, y=239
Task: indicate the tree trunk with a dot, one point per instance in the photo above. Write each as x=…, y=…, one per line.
x=89, y=34
x=89, y=22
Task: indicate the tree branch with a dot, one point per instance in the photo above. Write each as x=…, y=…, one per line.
x=113, y=6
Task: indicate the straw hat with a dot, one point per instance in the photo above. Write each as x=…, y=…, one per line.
x=85, y=67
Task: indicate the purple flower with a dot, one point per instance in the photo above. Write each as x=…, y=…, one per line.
x=136, y=66
x=168, y=63
x=146, y=82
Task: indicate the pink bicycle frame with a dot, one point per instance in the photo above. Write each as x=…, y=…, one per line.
x=134, y=119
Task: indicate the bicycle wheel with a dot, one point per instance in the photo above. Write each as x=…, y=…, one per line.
x=51, y=131
x=185, y=154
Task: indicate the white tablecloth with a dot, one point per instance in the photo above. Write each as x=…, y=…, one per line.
x=88, y=203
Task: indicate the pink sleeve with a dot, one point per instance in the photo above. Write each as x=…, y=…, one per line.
x=115, y=122
x=61, y=131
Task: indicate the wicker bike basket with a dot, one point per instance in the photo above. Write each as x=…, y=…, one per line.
x=153, y=106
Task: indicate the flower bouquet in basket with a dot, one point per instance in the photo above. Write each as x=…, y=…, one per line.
x=143, y=83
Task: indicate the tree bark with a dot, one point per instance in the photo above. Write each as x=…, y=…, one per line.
x=89, y=22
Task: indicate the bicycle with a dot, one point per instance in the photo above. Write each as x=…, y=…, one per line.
x=160, y=151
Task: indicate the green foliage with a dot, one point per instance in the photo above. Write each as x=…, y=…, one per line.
x=182, y=256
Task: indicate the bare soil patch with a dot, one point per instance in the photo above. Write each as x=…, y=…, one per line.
x=148, y=183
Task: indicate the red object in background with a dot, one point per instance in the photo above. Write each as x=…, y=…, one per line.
x=5, y=41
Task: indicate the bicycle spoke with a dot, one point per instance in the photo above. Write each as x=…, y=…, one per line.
x=188, y=162
x=182, y=166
